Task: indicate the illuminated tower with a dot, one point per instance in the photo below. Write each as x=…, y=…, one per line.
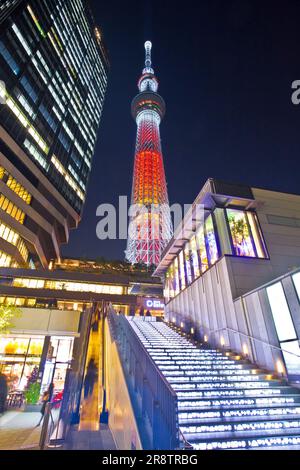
x=150, y=223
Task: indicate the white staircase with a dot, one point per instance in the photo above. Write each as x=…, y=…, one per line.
x=223, y=401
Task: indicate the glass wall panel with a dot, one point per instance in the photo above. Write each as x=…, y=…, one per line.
x=291, y=354
x=296, y=280
x=188, y=261
x=211, y=242
x=281, y=313
x=182, y=271
x=195, y=259
x=176, y=276
x=202, y=249
x=240, y=233
x=222, y=228
x=257, y=235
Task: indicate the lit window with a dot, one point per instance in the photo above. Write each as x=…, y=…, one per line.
x=202, y=249
x=11, y=209
x=281, y=313
x=240, y=233
x=211, y=241
x=194, y=256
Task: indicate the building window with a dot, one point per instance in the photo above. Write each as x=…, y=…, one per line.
x=194, y=258
x=285, y=327
x=245, y=234
x=182, y=271
x=202, y=250
x=211, y=241
x=188, y=262
x=16, y=187
x=11, y=209
x=9, y=59
x=243, y=244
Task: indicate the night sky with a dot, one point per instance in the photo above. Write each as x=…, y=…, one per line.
x=225, y=69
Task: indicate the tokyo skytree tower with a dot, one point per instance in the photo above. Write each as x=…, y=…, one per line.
x=150, y=227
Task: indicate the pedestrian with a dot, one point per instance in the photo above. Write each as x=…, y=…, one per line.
x=47, y=395
x=131, y=312
x=148, y=313
x=142, y=311
x=3, y=392
x=90, y=378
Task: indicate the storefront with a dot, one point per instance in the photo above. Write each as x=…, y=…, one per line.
x=21, y=360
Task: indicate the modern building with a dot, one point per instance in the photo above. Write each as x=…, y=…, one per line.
x=53, y=77
x=150, y=222
x=233, y=278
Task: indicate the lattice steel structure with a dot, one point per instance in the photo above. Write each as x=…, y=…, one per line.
x=150, y=227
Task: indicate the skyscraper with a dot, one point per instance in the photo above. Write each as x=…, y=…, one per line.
x=53, y=72
x=150, y=222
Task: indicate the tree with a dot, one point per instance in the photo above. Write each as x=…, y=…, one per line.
x=7, y=314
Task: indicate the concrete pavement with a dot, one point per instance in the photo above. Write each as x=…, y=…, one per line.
x=18, y=430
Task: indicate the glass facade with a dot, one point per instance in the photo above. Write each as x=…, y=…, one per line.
x=284, y=325
x=242, y=240
x=68, y=286
x=224, y=232
x=20, y=357
x=55, y=71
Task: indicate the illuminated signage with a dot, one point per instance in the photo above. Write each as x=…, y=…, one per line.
x=154, y=304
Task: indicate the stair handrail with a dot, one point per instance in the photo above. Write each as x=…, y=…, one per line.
x=254, y=339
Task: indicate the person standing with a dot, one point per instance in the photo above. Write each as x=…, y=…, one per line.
x=47, y=396
x=90, y=378
x=3, y=392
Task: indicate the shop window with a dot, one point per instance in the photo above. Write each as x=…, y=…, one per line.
x=194, y=258
x=176, y=276
x=243, y=243
x=211, y=242
x=182, y=271
x=202, y=250
x=188, y=261
x=257, y=235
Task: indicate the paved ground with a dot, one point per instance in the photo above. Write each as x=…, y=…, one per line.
x=18, y=430
x=90, y=440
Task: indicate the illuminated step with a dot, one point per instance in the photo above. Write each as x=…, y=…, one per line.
x=234, y=386
x=189, y=417
x=229, y=430
x=255, y=392
x=225, y=378
x=181, y=384
x=249, y=443
x=230, y=372
x=189, y=405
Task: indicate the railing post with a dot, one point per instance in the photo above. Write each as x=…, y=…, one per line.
x=44, y=432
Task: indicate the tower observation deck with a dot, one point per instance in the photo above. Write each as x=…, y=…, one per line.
x=150, y=227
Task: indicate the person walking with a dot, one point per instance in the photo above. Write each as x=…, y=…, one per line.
x=47, y=396
x=3, y=393
x=90, y=378
x=148, y=313
x=142, y=312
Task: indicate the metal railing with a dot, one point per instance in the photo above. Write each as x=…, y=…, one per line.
x=157, y=401
x=216, y=339
x=52, y=429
